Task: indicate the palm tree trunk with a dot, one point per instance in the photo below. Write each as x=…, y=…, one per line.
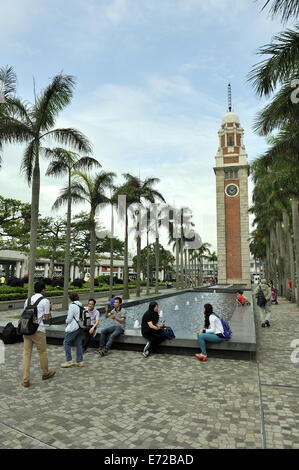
x=182, y=264
x=126, y=294
x=92, y=254
x=34, y=222
x=51, y=266
x=67, y=248
x=296, y=244
x=138, y=264
x=157, y=266
x=290, y=249
x=111, y=254
x=177, y=254
x=147, y=265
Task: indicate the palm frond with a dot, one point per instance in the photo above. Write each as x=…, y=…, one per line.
x=9, y=79
x=86, y=163
x=13, y=131
x=279, y=112
x=76, y=196
x=53, y=100
x=28, y=161
x=286, y=8
x=280, y=67
x=70, y=137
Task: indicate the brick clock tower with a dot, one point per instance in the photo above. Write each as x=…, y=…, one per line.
x=232, y=172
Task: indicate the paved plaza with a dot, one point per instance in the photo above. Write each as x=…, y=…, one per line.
x=124, y=401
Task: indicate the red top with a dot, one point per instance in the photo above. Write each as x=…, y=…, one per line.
x=241, y=299
x=290, y=284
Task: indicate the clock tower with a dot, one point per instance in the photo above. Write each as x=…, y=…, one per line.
x=232, y=172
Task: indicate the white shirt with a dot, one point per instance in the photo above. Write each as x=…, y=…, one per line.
x=43, y=308
x=215, y=325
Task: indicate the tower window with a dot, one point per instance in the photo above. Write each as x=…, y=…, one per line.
x=230, y=141
x=231, y=174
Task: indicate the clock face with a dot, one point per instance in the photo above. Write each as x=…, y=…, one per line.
x=232, y=190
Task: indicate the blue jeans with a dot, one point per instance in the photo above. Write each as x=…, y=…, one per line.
x=113, y=331
x=76, y=337
x=210, y=337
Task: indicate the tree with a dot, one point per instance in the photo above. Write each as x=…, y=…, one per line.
x=80, y=242
x=165, y=256
x=136, y=191
x=34, y=126
x=64, y=162
x=14, y=224
x=51, y=240
x=85, y=188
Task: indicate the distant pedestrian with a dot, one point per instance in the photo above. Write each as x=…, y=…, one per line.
x=274, y=293
x=91, y=331
x=2, y=280
x=108, y=334
x=39, y=337
x=212, y=332
x=263, y=294
x=73, y=333
x=151, y=330
x=240, y=299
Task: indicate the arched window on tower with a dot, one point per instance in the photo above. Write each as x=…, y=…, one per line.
x=230, y=141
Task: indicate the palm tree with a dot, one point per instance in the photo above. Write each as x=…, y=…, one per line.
x=34, y=126
x=213, y=258
x=136, y=191
x=85, y=188
x=64, y=162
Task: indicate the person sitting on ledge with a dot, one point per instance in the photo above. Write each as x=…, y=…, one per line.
x=213, y=331
x=118, y=315
x=94, y=321
x=151, y=330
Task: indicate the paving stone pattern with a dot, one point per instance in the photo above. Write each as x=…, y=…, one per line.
x=124, y=401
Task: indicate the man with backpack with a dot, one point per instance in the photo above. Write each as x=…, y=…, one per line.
x=42, y=307
x=263, y=295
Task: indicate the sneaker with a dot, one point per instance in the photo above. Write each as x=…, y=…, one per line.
x=25, y=384
x=201, y=357
x=79, y=364
x=263, y=325
x=267, y=323
x=67, y=364
x=101, y=352
x=146, y=347
x=146, y=353
x=50, y=374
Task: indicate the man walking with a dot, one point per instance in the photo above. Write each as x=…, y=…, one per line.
x=108, y=335
x=39, y=337
x=263, y=296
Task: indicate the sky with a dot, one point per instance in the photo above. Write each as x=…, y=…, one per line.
x=151, y=88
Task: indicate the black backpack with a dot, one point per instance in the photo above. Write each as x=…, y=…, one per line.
x=261, y=299
x=9, y=334
x=84, y=318
x=28, y=323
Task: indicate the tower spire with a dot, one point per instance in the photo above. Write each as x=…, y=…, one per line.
x=229, y=98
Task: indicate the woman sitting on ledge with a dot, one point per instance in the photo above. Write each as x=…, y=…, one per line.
x=213, y=331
